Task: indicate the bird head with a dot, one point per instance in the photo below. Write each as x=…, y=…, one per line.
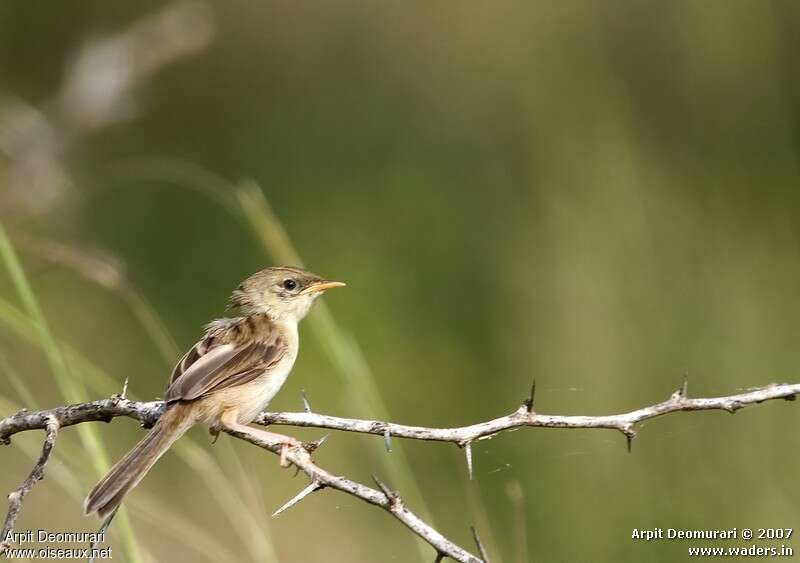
x=282, y=293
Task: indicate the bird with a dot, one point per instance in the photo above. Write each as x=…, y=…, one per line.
x=227, y=378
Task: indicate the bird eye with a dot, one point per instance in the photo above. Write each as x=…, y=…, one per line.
x=289, y=284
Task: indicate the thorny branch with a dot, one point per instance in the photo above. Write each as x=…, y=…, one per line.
x=384, y=498
x=37, y=474
x=525, y=416
x=148, y=413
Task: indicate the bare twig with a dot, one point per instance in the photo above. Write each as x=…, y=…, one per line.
x=148, y=412
x=525, y=416
x=385, y=498
x=68, y=415
x=37, y=474
x=463, y=435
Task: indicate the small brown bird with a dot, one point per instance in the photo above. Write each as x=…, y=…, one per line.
x=228, y=377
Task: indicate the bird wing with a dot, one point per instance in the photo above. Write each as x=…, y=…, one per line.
x=207, y=368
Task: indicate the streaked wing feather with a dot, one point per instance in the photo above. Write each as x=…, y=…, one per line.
x=222, y=366
x=195, y=353
x=246, y=365
x=238, y=379
x=203, y=367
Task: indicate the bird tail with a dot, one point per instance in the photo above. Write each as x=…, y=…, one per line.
x=107, y=495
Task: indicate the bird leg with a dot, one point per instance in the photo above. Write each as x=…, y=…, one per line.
x=229, y=420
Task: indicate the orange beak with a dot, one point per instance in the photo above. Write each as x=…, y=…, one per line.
x=319, y=286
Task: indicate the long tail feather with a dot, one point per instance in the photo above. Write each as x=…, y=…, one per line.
x=107, y=495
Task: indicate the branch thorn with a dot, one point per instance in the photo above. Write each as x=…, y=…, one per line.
x=312, y=446
x=529, y=401
x=682, y=391
x=387, y=439
x=468, y=453
x=122, y=395
x=630, y=434
x=306, y=404
x=391, y=495
x=312, y=487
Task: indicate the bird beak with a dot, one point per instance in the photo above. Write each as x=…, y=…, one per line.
x=320, y=286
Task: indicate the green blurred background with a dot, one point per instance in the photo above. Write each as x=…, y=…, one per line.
x=600, y=195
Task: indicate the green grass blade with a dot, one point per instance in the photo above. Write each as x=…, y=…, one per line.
x=68, y=385
x=147, y=506
x=247, y=524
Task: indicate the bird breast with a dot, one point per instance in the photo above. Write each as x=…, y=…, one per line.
x=251, y=398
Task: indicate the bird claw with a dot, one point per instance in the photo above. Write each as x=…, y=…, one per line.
x=285, y=449
x=308, y=447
